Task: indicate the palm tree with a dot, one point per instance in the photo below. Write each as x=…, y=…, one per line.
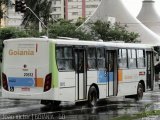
x=3, y=4
x=42, y=8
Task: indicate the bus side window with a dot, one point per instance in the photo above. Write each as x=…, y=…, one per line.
x=81, y=63
x=100, y=58
x=68, y=55
x=122, y=58
x=64, y=58
x=140, y=58
x=60, y=61
x=91, y=58
x=132, y=58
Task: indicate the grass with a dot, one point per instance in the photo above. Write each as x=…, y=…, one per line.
x=138, y=116
x=0, y=59
x=0, y=73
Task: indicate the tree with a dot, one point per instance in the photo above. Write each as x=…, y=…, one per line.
x=108, y=32
x=66, y=28
x=3, y=5
x=42, y=8
x=97, y=30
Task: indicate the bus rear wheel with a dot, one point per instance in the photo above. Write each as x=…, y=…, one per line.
x=92, y=96
x=50, y=102
x=140, y=90
x=56, y=103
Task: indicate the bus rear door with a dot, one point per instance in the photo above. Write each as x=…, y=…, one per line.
x=81, y=84
x=111, y=73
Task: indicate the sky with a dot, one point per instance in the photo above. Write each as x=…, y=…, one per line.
x=134, y=6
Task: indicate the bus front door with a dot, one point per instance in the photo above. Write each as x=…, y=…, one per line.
x=111, y=73
x=81, y=84
x=150, y=76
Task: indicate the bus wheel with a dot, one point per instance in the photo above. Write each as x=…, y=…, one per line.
x=56, y=103
x=92, y=96
x=139, y=95
x=45, y=102
x=50, y=102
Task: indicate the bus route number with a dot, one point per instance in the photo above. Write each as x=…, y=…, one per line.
x=28, y=74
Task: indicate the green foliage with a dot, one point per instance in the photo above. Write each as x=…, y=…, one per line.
x=108, y=32
x=97, y=30
x=11, y=32
x=42, y=8
x=80, y=21
x=32, y=33
x=2, y=10
x=67, y=29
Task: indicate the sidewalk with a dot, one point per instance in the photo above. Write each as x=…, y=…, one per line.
x=156, y=87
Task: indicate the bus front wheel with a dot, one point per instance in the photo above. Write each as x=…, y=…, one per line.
x=139, y=95
x=92, y=96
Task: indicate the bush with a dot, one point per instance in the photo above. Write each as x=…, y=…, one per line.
x=11, y=32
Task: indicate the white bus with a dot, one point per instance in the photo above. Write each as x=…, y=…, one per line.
x=55, y=70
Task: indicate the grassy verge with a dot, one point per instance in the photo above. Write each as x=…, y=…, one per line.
x=138, y=116
x=0, y=73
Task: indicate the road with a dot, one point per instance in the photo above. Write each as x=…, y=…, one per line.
x=105, y=110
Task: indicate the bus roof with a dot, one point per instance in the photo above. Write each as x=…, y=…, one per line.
x=80, y=42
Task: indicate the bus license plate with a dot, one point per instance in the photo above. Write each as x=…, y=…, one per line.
x=25, y=89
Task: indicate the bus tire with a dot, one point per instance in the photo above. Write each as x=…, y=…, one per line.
x=45, y=102
x=92, y=96
x=56, y=103
x=50, y=102
x=140, y=90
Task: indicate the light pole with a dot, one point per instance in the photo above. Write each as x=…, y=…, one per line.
x=20, y=6
x=39, y=19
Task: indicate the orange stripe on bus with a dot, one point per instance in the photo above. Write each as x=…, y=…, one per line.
x=119, y=75
x=39, y=82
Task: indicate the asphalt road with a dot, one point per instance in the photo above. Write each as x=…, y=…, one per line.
x=105, y=110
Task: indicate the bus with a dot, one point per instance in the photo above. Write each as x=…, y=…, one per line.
x=55, y=70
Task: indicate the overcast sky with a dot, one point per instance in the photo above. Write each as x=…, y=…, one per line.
x=134, y=6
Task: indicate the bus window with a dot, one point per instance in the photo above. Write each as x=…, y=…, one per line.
x=68, y=53
x=64, y=58
x=111, y=61
x=91, y=58
x=100, y=58
x=140, y=58
x=132, y=58
x=59, y=52
x=122, y=58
